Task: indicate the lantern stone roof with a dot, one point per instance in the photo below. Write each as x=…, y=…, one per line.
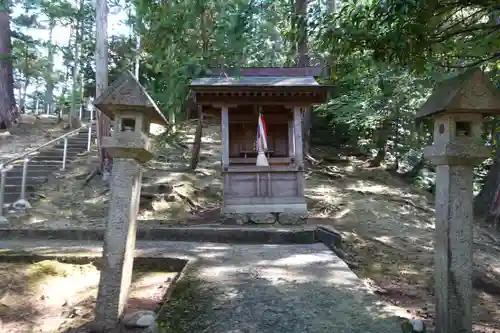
x=468, y=92
x=127, y=94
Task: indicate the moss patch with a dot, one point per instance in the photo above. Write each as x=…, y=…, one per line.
x=188, y=309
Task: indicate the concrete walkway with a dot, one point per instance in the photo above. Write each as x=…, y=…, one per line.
x=260, y=288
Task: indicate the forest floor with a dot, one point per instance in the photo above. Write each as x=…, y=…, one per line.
x=386, y=224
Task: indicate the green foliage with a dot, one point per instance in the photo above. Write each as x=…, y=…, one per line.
x=416, y=33
x=182, y=39
x=372, y=95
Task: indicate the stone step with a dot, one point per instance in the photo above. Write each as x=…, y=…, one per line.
x=52, y=159
x=70, y=149
x=30, y=180
x=49, y=161
x=86, y=132
x=11, y=197
x=46, y=157
x=75, y=141
x=16, y=188
x=73, y=145
x=35, y=170
x=56, y=153
x=32, y=172
x=39, y=163
x=81, y=136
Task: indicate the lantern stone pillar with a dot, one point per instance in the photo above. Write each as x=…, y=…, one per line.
x=457, y=108
x=127, y=103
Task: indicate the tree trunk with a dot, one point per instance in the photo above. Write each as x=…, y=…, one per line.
x=23, y=94
x=25, y=83
x=76, y=67
x=332, y=6
x=8, y=111
x=103, y=121
x=415, y=170
x=482, y=202
x=382, y=137
x=303, y=60
x=137, y=46
x=195, y=155
x=301, y=26
x=49, y=74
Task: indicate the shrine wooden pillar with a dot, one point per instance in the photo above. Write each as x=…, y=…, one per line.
x=291, y=140
x=298, y=148
x=225, y=136
x=297, y=135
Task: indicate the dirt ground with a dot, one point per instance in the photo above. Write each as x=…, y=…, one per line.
x=387, y=225
x=51, y=297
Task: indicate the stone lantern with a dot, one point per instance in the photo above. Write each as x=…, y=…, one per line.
x=132, y=109
x=457, y=107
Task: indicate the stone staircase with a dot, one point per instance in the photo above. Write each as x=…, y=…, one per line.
x=43, y=164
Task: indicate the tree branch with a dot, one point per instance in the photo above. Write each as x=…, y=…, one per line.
x=466, y=30
x=472, y=64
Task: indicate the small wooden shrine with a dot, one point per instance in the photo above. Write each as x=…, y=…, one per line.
x=277, y=186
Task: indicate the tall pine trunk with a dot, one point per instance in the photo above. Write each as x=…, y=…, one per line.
x=195, y=153
x=8, y=111
x=76, y=68
x=303, y=60
x=25, y=82
x=104, y=124
x=49, y=74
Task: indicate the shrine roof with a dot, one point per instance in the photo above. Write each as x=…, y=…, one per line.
x=315, y=71
x=255, y=81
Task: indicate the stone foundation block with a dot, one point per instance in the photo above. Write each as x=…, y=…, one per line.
x=292, y=219
x=233, y=218
x=263, y=218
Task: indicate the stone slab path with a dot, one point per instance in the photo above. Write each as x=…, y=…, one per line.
x=261, y=288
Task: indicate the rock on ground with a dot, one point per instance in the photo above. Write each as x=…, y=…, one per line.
x=139, y=319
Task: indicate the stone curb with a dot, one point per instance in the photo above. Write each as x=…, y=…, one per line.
x=189, y=234
x=330, y=238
